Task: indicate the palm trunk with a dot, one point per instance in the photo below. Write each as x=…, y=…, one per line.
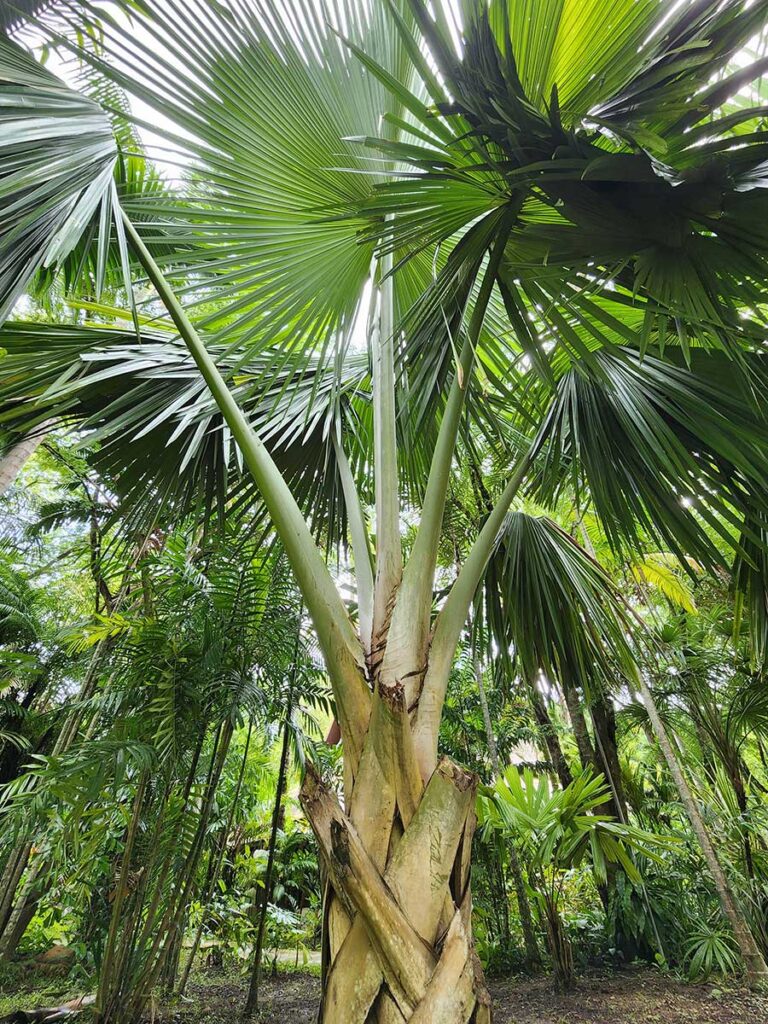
x=398, y=906
x=14, y=926
x=168, y=930
x=560, y=947
x=524, y=908
x=215, y=869
x=12, y=463
x=252, y=1002
x=604, y=723
x=736, y=777
x=14, y=868
x=587, y=755
x=397, y=858
x=121, y=893
x=549, y=737
x=756, y=970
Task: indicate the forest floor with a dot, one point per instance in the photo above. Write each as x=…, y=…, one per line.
x=633, y=996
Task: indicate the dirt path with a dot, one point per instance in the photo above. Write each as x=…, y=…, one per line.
x=640, y=996
x=631, y=997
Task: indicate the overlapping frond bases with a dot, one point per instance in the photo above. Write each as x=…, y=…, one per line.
x=157, y=434
x=622, y=142
x=57, y=155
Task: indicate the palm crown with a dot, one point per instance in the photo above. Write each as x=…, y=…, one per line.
x=558, y=217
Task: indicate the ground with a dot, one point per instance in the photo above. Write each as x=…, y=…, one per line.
x=636, y=996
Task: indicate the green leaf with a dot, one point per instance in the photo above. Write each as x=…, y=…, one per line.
x=57, y=156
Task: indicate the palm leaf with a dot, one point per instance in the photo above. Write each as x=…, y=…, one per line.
x=659, y=450
x=57, y=153
x=266, y=178
x=578, y=128
x=156, y=433
x=554, y=607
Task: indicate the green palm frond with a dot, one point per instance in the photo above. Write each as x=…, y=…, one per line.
x=266, y=178
x=558, y=828
x=18, y=10
x=58, y=155
x=657, y=448
x=160, y=436
x=583, y=127
x=657, y=571
x=554, y=607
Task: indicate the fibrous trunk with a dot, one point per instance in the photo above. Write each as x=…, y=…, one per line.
x=397, y=936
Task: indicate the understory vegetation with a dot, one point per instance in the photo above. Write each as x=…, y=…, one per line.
x=160, y=706
x=383, y=506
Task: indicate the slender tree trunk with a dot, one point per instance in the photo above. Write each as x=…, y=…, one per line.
x=13, y=930
x=164, y=933
x=532, y=955
x=216, y=869
x=737, y=782
x=13, y=461
x=604, y=722
x=12, y=872
x=756, y=970
x=587, y=755
x=121, y=893
x=172, y=959
x=549, y=737
x=560, y=947
x=252, y=1001
x=589, y=759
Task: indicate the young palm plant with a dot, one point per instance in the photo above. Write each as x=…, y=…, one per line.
x=556, y=830
x=561, y=252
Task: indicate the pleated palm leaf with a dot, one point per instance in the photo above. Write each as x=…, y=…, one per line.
x=545, y=199
x=623, y=146
x=556, y=831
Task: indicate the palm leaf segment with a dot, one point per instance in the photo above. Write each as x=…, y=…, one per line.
x=555, y=608
x=155, y=430
x=57, y=154
x=259, y=97
x=665, y=453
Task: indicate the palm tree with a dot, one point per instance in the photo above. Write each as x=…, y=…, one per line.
x=565, y=258
x=556, y=829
